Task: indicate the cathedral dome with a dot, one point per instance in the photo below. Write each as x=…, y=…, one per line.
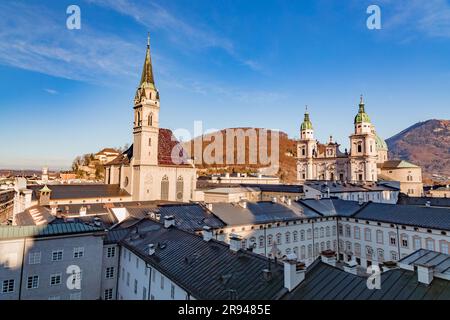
x=362, y=116
x=306, y=124
x=380, y=144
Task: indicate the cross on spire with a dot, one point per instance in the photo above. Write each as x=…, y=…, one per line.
x=147, y=71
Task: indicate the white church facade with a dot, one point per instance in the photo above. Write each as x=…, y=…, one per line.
x=155, y=167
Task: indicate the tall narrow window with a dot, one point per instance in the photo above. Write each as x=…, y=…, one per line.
x=180, y=187
x=150, y=119
x=165, y=188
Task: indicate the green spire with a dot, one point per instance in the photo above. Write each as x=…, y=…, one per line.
x=307, y=124
x=147, y=72
x=362, y=116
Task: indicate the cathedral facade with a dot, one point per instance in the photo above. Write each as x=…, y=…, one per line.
x=155, y=167
x=317, y=161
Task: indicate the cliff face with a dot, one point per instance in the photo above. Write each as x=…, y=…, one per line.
x=426, y=144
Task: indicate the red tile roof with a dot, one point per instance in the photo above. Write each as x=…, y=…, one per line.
x=170, y=152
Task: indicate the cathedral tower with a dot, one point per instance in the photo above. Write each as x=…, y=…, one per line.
x=146, y=117
x=306, y=149
x=363, y=151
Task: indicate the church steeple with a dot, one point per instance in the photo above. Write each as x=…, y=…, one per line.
x=147, y=72
x=362, y=116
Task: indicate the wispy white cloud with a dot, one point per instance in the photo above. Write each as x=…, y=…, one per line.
x=186, y=35
x=430, y=18
x=51, y=91
x=35, y=38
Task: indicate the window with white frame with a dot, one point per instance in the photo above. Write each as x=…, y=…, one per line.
x=369, y=252
x=269, y=240
x=278, y=237
x=348, y=246
x=261, y=241
x=296, y=251
x=392, y=239
x=295, y=236
x=379, y=236
x=111, y=252
x=108, y=294
x=334, y=230
x=341, y=229
x=33, y=282
x=310, y=253
x=394, y=256
x=328, y=245
x=367, y=234
x=430, y=244
x=405, y=241
x=55, y=279
x=34, y=258
x=57, y=255
x=357, y=233
x=327, y=231
x=380, y=254
x=309, y=234
x=348, y=231
x=302, y=252
x=288, y=237
x=357, y=249
x=316, y=233
x=322, y=232
x=444, y=247
x=8, y=286
x=302, y=235
x=78, y=252
x=417, y=243
x=109, y=273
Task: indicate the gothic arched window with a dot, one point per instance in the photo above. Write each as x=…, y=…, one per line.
x=165, y=188
x=180, y=187
x=359, y=147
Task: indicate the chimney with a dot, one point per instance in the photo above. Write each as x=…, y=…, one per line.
x=350, y=267
x=288, y=202
x=54, y=210
x=243, y=204
x=274, y=199
x=235, y=242
x=329, y=257
x=209, y=206
x=151, y=249
x=207, y=233
x=425, y=274
x=294, y=272
x=428, y=203
x=169, y=221
x=267, y=274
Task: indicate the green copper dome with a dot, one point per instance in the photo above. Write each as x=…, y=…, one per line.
x=362, y=116
x=380, y=144
x=306, y=124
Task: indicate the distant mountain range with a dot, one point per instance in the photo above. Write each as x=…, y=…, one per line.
x=426, y=144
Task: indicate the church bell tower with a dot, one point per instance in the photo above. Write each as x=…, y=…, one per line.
x=146, y=117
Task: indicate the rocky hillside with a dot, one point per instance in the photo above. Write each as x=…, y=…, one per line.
x=287, y=148
x=426, y=144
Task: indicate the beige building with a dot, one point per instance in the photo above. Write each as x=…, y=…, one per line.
x=441, y=192
x=408, y=174
x=106, y=155
x=367, y=160
x=155, y=167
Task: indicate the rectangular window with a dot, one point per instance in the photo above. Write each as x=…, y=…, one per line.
x=8, y=286
x=172, y=291
x=55, y=279
x=123, y=273
x=57, y=255
x=78, y=252
x=135, y=286
x=109, y=274
x=144, y=293
x=153, y=275
x=417, y=243
x=34, y=258
x=33, y=282
x=128, y=279
x=111, y=252
x=108, y=294
x=162, y=282
x=368, y=235
x=137, y=263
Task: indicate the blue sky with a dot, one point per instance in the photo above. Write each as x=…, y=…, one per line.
x=227, y=63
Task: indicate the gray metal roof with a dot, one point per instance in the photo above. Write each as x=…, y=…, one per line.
x=421, y=201
x=439, y=261
x=282, y=188
x=17, y=232
x=255, y=213
x=207, y=270
x=324, y=282
x=80, y=191
x=331, y=206
x=420, y=216
x=338, y=187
